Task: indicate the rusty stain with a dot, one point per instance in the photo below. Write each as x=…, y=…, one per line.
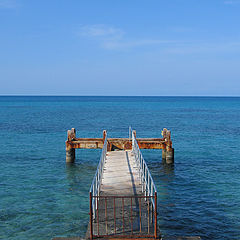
x=118, y=143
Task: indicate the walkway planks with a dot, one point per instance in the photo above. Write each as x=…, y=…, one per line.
x=133, y=215
x=120, y=175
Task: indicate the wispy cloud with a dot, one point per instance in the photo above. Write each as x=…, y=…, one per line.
x=102, y=31
x=8, y=4
x=231, y=2
x=113, y=38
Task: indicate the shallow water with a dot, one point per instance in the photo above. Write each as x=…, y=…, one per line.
x=42, y=197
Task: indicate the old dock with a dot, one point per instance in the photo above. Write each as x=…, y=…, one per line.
x=164, y=143
x=123, y=196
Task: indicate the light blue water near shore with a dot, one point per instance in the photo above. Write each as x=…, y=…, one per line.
x=41, y=197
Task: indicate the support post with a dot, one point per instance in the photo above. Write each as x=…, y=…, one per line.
x=70, y=151
x=164, y=133
x=70, y=154
x=164, y=153
x=168, y=150
x=169, y=155
x=104, y=135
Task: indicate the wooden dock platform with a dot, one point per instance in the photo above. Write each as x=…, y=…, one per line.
x=123, y=196
x=120, y=174
x=121, y=191
x=164, y=143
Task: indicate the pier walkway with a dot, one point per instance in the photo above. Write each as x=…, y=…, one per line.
x=123, y=196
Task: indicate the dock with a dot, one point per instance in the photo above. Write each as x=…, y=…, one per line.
x=164, y=143
x=123, y=195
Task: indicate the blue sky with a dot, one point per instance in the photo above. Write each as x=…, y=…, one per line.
x=120, y=47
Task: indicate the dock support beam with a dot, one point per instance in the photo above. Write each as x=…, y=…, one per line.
x=70, y=151
x=164, y=134
x=167, y=150
x=163, y=143
x=164, y=154
x=169, y=155
x=70, y=155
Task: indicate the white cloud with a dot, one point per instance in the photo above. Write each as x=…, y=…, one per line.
x=113, y=38
x=8, y=4
x=101, y=30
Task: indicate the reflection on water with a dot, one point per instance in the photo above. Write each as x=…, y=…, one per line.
x=73, y=174
x=167, y=169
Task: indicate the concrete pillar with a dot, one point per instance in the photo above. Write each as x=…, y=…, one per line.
x=169, y=155
x=70, y=155
x=164, y=154
x=164, y=133
x=70, y=151
x=168, y=151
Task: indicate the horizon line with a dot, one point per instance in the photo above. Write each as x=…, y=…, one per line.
x=52, y=95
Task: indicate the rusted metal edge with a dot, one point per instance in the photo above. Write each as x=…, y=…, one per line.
x=116, y=143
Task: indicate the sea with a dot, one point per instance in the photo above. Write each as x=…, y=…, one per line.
x=42, y=197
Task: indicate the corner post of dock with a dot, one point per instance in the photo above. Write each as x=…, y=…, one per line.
x=164, y=134
x=70, y=150
x=169, y=148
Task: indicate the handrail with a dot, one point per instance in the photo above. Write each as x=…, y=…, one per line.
x=96, y=183
x=110, y=203
x=148, y=185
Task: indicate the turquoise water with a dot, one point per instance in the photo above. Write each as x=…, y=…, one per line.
x=41, y=197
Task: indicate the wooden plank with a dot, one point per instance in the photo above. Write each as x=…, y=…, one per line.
x=121, y=198
x=120, y=176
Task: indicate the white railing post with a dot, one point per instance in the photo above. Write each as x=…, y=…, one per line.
x=146, y=180
x=96, y=183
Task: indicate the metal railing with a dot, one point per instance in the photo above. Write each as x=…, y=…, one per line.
x=96, y=183
x=124, y=216
x=146, y=180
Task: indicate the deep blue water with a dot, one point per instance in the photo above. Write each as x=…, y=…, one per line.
x=41, y=197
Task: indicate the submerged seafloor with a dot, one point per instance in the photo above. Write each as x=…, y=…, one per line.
x=41, y=197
